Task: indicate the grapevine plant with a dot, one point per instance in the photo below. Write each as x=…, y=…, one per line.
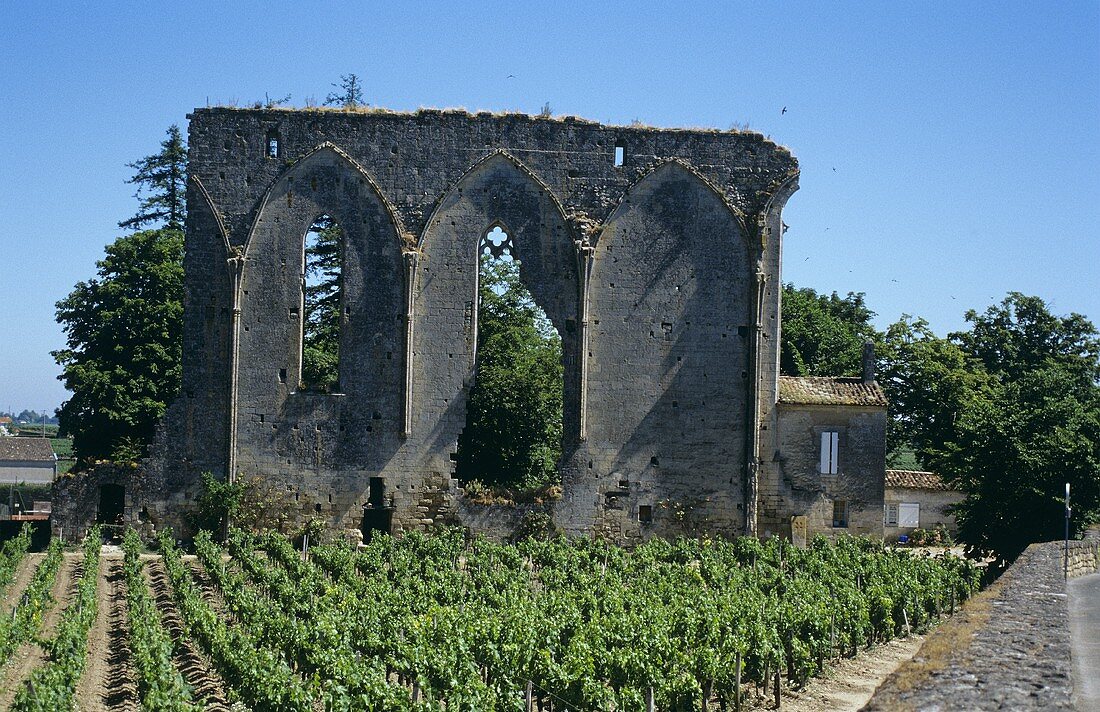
x=51, y=686
x=431, y=622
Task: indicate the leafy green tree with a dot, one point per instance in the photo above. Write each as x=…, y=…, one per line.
x=514, y=413
x=1012, y=455
x=1034, y=429
x=1020, y=334
x=349, y=92
x=124, y=335
x=823, y=335
x=124, y=327
x=928, y=382
x=323, y=289
x=162, y=179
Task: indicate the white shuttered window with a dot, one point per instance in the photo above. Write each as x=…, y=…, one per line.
x=909, y=514
x=830, y=444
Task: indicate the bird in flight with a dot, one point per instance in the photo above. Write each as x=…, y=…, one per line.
x=784, y=110
x=511, y=76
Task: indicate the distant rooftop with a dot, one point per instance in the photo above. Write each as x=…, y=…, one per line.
x=914, y=479
x=26, y=449
x=823, y=390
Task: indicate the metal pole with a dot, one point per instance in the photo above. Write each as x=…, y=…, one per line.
x=1065, y=557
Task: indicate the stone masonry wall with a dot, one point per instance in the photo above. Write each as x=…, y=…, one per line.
x=650, y=271
x=935, y=507
x=1007, y=648
x=75, y=498
x=803, y=490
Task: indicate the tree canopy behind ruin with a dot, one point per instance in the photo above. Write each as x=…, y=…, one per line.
x=124, y=326
x=513, y=427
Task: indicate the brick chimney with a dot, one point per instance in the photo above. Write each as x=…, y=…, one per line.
x=868, y=362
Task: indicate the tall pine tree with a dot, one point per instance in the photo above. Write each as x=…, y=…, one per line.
x=162, y=185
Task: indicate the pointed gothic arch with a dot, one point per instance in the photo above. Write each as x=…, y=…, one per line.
x=496, y=191
x=325, y=182
x=672, y=282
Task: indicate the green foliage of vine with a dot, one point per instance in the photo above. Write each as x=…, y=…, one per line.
x=32, y=606
x=51, y=687
x=253, y=671
x=467, y=623
x=160, y=684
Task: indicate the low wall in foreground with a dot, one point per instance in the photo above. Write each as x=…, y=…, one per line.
x=1007, y=648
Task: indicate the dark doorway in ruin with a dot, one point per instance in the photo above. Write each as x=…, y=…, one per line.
x=112, y=503
x=378, y=513
x=322, y=306
x=513, y=432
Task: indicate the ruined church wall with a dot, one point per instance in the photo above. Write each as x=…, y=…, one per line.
x=414, y=193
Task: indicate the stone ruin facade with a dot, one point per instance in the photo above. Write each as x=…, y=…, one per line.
x=655, y=254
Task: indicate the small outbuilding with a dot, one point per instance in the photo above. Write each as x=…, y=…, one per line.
x=917, y=500
x=832, y=453
x=27, y=461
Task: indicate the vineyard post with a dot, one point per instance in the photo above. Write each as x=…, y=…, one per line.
x=737, y=684
x=832, y=635
x=649, y=704
x=708, y=688
x=529, y=697
x=777, y=695
x=905, y=617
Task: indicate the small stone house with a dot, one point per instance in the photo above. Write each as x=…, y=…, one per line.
x=832, y=453
x=917, y=500
x=27, y=461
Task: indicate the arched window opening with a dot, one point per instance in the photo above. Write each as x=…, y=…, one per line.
x=513, y=432
x=322, y=306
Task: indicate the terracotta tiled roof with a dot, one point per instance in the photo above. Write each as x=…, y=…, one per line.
x=13, y=448
x=820, y=390
x=912, y=479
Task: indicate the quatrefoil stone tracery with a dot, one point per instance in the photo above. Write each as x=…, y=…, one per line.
x=496, y=244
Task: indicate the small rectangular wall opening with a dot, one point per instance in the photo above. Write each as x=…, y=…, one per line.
x=376, y=493
x=840, y=514
x=645, y=513
x=620, y=154
x=272, y=148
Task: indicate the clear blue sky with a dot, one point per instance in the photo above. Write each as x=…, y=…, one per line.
x=965, y=137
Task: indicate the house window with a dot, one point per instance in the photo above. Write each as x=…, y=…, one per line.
x=840, y=514
x=891, y=519
x=909, y=515
x=830, y=446
x=645, y=513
